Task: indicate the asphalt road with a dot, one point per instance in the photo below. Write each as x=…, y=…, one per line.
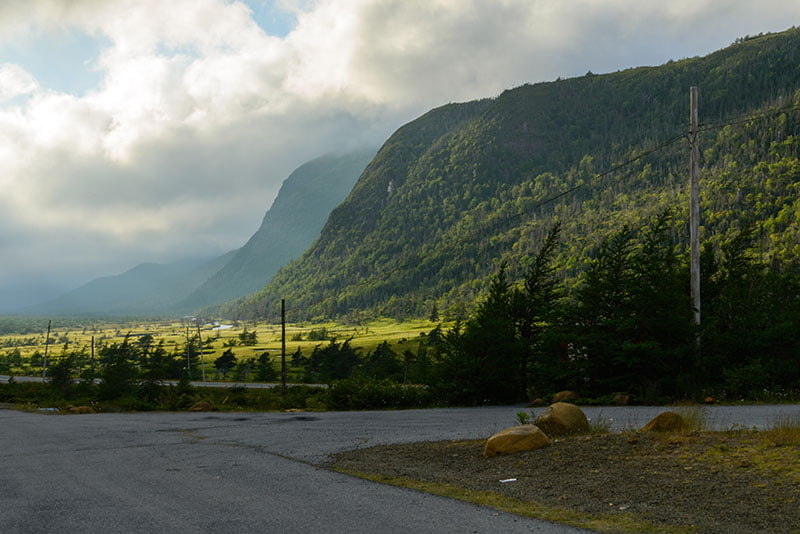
x=247, y=472
x=197, y=383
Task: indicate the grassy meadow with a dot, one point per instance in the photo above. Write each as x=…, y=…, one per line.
x=22, y=353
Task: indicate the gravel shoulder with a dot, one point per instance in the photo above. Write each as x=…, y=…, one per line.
x=738, y=481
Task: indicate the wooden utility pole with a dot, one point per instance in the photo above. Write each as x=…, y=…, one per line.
x=188, y=351
x=46, y=346
x=694, y=208
x=283, y=346
x=200, y=348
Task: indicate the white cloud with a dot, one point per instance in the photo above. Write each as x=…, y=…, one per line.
x=199, y=114
x=15, y=81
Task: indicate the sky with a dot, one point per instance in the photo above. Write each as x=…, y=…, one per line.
x=139, y=131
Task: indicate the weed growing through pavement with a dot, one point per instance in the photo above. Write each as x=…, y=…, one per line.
x=599, y=424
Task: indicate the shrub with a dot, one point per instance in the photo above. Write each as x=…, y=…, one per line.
x=362, y=393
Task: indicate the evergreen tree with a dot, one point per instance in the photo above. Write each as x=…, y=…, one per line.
x=632, y=319
x=266, y=371
x=533, y=306
x=383, y=364
x=60, y=374
x=489, y=361
x=335, y=361
x=225, y=362
x=118, y=373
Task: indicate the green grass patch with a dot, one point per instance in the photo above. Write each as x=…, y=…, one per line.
x=22, y=353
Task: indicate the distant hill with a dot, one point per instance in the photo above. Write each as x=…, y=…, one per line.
x=291, y=224
x=147, y=289
x=452, y=193
x=294, y=220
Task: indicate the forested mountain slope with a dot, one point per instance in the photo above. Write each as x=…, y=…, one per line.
x=452, y=193
x=291, y=224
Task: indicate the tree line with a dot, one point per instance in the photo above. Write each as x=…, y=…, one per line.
x=628, y=327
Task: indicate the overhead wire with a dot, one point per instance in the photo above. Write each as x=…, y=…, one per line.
x=748, y=117
x=613, y=169
x=505, y=221
x=661, y=146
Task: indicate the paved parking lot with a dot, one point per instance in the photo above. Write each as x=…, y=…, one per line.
x=246, y=472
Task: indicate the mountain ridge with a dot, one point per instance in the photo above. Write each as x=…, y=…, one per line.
x=488, y=186
x=288, y=227
x=146, y=289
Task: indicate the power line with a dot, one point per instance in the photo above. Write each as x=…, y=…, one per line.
x=704, y=128
x=748, y=117
x=505, y=221
x=614, y=169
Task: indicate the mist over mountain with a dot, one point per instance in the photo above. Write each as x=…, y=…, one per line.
x=453, y=193
x=294, y=220
x=149, y=289
x=290, y=225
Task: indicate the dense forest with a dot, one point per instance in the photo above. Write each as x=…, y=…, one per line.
x=466, y=187
x=627, y=328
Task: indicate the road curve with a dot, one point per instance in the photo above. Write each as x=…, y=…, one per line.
x=247, y=472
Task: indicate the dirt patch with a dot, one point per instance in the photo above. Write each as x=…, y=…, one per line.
x=726, y=482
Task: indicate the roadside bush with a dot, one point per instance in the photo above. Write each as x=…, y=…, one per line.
x=361, y=393
x=150, y=391
x=177, y=398
x=298, y=397
x=61, y=375
x=129, y=403
x=39, y=394
x=118, y=373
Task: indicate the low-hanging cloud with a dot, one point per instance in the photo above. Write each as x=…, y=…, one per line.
x=199, y=114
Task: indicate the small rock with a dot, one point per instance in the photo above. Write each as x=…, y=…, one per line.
x=563, y=396
x=515, y=439
x=201, y=406
x=665, y=422
x=562, y=418
x=621, y=399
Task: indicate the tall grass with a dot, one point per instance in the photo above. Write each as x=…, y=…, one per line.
x=695, y=418
x=784, y=431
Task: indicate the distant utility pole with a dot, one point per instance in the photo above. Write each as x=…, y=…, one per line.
x=694, y=207
x=92, y=367
x=188, y=351
x=46, y=346
x=200, y=348
x=283, y=346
